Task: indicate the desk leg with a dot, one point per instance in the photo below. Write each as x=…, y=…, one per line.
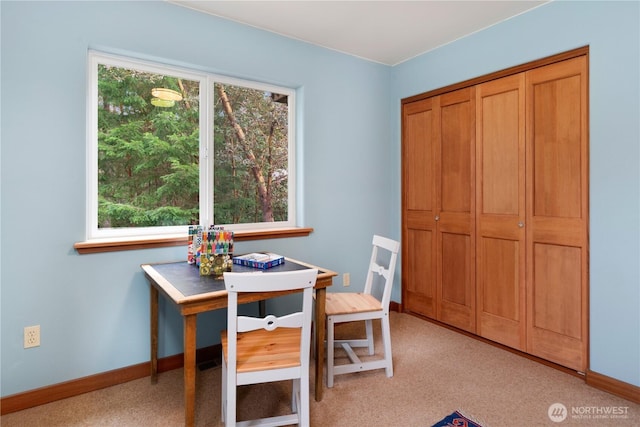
x=189, y=369
x=154, y=334
x=321, y=298
x=262, y=308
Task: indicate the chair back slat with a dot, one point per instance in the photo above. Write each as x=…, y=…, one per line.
x=380, y=270
x=270, y=323
x=375, y=266
x=260, y=281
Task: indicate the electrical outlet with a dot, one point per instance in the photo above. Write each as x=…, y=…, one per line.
x=346, y=279
x=32, y=336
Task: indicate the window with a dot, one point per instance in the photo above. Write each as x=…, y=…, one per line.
x=169, y=147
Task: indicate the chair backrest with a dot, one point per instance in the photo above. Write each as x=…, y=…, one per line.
x=385, y=271
x=265, y=282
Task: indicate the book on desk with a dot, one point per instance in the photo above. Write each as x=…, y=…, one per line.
x=259, y=260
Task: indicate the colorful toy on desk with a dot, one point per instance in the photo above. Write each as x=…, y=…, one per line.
x=193, y=244
x=210, y=250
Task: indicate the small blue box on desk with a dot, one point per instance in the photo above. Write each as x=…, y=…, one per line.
x=260, y=260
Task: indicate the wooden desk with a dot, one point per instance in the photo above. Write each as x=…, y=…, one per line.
x=182, y=284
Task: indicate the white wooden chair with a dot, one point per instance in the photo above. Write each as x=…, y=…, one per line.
x=259, y=350
x=363, y=306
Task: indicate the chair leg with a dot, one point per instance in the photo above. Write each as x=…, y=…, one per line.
x=369, y=329
x=303, y=404
x=295, y=395
x=223, y=403
x=330, y=339
x=386, y=338
x=230, y=401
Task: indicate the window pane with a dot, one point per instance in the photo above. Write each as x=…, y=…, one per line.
x=148, y=145
x=251, y=155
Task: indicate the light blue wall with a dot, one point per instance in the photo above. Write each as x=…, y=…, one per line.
x=93, y=309
x=612, y=32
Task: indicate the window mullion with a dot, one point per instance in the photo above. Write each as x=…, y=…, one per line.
x=206, y=151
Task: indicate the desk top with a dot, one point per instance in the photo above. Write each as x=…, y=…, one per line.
x=183, y=282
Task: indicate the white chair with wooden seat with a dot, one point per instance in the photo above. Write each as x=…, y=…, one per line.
x=344, y=307
x=260, y=350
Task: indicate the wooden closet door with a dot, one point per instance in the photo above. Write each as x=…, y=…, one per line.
x=500, y=186
x=557, y=212
x=420, y=135
x=456, y=214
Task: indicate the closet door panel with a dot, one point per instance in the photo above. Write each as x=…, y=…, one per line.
x=556, y=316
x=556, y=147
x=500, y=185
x=557, y=212
x=419, y=292
x=456, y=163
x=418, y=161
x=457, y=289
x=456, y=215
x=420, y=136
x=557, y=270
x=501, y=317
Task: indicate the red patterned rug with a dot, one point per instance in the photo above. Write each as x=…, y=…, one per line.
x=456, y=420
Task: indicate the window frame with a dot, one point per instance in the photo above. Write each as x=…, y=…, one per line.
x=206, y=144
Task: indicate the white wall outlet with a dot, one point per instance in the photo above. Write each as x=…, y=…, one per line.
x=32, y=336
x=346, y=279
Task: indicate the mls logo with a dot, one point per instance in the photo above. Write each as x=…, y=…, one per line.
x=557, y=412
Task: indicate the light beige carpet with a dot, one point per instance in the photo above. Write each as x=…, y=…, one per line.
x=436, y=371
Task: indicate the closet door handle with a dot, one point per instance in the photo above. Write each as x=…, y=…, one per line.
x=521, y=224
x=437, y=218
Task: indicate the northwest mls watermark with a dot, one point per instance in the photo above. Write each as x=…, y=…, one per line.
x=558, y=412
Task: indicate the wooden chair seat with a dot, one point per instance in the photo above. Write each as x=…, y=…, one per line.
x=263, y=350
x=345, y=303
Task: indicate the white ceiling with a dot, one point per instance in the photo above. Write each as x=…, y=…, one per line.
x=388, y=32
